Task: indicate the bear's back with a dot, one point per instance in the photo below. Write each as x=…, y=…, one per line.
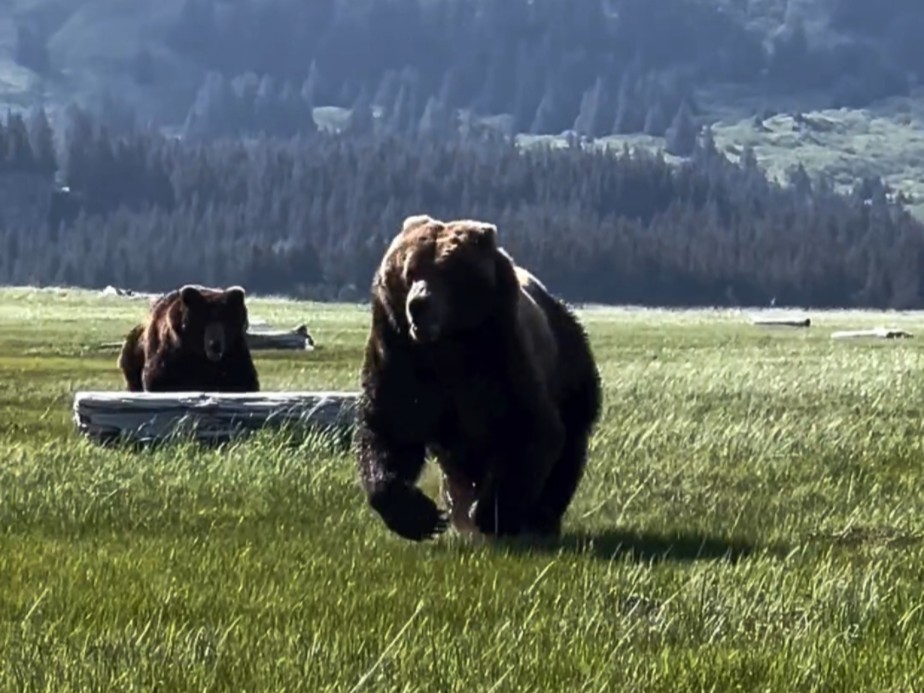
x=533, y=322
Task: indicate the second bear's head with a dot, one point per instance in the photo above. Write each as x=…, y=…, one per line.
x=441, y=278
x=212, y=321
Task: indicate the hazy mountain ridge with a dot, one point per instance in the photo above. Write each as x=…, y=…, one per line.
x=61, y=48
x=186, y=64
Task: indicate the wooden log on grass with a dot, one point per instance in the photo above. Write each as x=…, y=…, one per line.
x=297, y=339
x=129, y=293
x=874, y=333
x=105, y=416
x=781, y=321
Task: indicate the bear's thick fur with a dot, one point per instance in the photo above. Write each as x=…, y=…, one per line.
x=194, y=339
x=471, y=359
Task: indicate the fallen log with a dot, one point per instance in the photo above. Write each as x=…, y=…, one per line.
x=297, y=338
x=781, y=321
x=128, y=293
x=874, y=333
x=144, y=417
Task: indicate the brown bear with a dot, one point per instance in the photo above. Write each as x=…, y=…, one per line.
x=131, y=357
x=471, y=359
x=194, y=339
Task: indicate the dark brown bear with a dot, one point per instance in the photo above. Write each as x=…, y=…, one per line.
x=131, y=357
x=471, y=359
x=194, y=339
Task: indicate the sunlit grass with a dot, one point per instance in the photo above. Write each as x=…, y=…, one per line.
x=751, y=520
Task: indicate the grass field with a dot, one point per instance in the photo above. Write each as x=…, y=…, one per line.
x=751, y=520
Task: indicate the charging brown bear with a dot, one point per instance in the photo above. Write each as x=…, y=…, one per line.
x=471, y=359
x=194, y=339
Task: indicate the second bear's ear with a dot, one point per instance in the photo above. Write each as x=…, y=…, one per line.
x=190, y=296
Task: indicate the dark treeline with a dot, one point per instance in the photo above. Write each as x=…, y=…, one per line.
x=599, y=67
x=311, y=216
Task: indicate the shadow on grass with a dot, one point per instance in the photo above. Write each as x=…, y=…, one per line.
x=644, y=547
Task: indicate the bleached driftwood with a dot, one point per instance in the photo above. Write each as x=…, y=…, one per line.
x=128, y=293
x=104, y=416
x=874, y=333
x=261, y=340
x=781, y=321
x=297, y=338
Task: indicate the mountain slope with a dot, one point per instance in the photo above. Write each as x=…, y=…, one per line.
x=126, y=52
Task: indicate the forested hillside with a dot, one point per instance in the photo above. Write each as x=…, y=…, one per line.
x=278, y=143
x=312, y=215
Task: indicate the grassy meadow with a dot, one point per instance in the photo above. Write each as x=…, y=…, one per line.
x=751, y=519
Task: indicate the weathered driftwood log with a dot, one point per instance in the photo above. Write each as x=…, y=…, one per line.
x=206, y=416
x=262, y=340
x=128, y=293
x=781, y=321
x=297, y=338
x=874, y=333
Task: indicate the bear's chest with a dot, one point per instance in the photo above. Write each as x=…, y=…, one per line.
x=471, y=414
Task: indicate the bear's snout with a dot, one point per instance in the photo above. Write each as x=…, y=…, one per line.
x=422, y=313
x=214, y=342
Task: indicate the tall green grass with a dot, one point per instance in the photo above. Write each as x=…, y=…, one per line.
x=751, y=519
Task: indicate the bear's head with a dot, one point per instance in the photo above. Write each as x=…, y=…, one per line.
x=438, y=279
x=212, y=322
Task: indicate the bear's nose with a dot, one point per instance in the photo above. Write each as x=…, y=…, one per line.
x=214, y=346
x=418, y=307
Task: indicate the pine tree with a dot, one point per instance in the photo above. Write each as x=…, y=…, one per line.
x=655, y=121
x=266, y=107
x=213, y=110
x=437, y=120
x=596, y=115
x=18, y=155
x=312, y=85
x=630, y=112
x=403, y=116
x=41, y=136
x=552, y=115
x=682, y=133
x=386, y=94
x=361, y=120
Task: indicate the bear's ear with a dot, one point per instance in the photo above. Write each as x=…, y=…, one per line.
x=486, y=236
x=235, y=294
x=413, y=221
x=190, y=296
x=234, y=299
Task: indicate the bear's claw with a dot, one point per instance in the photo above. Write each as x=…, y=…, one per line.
x=411, y=514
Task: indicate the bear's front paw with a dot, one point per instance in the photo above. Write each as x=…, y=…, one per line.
x=410, y=513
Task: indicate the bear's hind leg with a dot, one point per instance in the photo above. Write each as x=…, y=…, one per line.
x=580, y=414
x=459, y=494
x=544, y=518
x=458, y=490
